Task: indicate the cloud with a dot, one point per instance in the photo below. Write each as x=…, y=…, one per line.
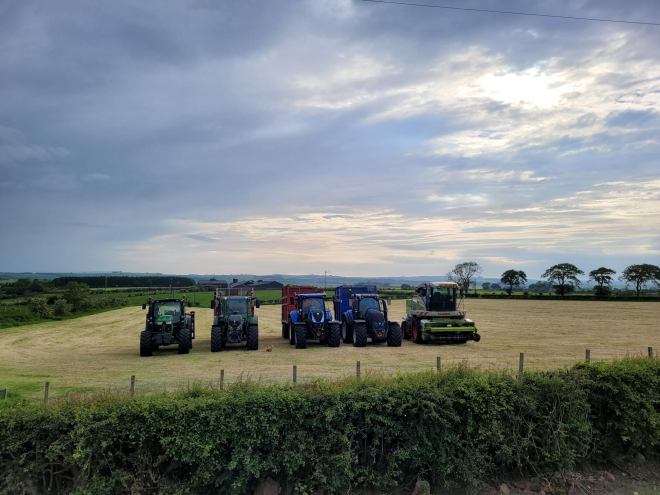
x=15, y=148
x=96, y=178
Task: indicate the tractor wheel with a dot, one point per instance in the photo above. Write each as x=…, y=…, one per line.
x=394, y=335
x=334, y=333
x=292, y=334
x=216, y=339
x=285, y=330
x=477, y=337
x=184, y=341
x=145, y=343
x=359, y=334
x=253, y=337
x=416, y=333
x=405, y=331
x=300, y=336
x=346, y=333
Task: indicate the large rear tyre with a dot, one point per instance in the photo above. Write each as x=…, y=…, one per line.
x=292, y=334
x=416, y=333
x=145, y=343
x=334, y=335
x=394, y=335
x=346, y=333
x=359, y=334
x=216, y=339
x=184, y=341
x=405, y=330
x=285, y=330
x=300, y=336
x=253, y=337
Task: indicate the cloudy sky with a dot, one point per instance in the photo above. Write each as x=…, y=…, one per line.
x=297, y=136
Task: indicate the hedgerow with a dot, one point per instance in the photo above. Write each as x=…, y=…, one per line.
x=458, y=426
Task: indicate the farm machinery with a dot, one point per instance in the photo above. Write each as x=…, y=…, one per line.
x=436, y=314
x=167, y=324
x=234, y=321
x=305, y=317
x=364, y=315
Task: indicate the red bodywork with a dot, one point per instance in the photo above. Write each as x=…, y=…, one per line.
x=292, y=290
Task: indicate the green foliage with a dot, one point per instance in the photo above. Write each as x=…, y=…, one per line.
x=513, y=278
x=456, y=426
x=126, y=281
x=563, y=277
x=466, y=274
x=60, y=307
x=641, y=274
x=76, y=294
x=39, y=307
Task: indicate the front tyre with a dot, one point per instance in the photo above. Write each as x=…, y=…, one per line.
x=145, y=343
x=253, y=337
x=334, y=332
x=346, y=333
x=300, y=336
x=405, y=330
x=292, y=334
x=359, y=334
x=216, y=339
x=394, y=335
x=184, y=341
x=416, y=333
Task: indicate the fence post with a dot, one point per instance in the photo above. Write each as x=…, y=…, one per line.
x=46, y=393
x=222, y=379
x=132, y=385
x=437, y=364
x=357, y=370
x=295, y=374
x=650, y=352
x=587, y=356
x=521, y=365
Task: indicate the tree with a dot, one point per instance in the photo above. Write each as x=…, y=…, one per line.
x=60, y=308
x=485, y=285
x=406, y=287
x=464, y=273
x=513, y=278
x=495, y=287
x=603, y=278
x=39, y=307
x=75, y=293
x=563, y=277
x=641, y=274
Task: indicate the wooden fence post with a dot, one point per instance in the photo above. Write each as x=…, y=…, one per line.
x=437, y=364
x=650, y=352
x=46, y=393
x=222, y=379
x=132, y=385
x=587, y=356
x=521, y=365
x=295, y=374
x=357, y=370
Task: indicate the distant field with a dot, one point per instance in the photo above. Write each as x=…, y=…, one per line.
x=101, y=351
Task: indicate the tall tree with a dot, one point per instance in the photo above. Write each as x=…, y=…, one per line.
x=465, y=273
x=485, y=285
x=513, y=278
x=641, y=274
x=75, y=293
x=563, y=277
x=603, y=278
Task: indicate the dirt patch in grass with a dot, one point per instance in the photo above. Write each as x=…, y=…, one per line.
x=101, y=351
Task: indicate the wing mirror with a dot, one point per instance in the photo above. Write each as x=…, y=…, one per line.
x=257, y=303
x=144, y=306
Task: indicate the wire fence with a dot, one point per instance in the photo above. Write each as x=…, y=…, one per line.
x=323, y=371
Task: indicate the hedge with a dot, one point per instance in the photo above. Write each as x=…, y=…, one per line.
x=458, y=426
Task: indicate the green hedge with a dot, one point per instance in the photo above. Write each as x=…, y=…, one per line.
x=455, y=427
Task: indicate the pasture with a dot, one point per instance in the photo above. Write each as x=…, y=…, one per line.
x=100, y=352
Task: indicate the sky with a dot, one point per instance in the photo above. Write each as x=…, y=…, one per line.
x=303, y=136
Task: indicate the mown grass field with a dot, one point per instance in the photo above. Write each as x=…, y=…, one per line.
x=99, y=352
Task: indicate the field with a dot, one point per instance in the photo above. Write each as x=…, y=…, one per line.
x=100, y=352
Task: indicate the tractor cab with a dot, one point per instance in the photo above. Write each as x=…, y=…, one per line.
x=311, y=308
x=364, y=303
x=436, y=297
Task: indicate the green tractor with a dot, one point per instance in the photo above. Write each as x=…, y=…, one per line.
x=436, y=314
x=167, y=324
x=234, y=321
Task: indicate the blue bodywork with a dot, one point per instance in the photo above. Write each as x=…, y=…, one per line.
x=342, y=298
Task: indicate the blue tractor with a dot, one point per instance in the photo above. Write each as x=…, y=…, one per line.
x=363, y=315
x=311, y=320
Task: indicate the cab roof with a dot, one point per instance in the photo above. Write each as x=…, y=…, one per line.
x=312, y=295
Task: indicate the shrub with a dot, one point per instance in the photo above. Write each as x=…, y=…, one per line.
x=39, y=307
x=60, y=307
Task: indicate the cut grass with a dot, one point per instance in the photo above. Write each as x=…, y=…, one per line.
x=101, y=351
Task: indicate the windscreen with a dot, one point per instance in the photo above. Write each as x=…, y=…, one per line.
x=443, y=299
x=367, y=304
x=312, y=303
x=171, y=308
x=236, y=306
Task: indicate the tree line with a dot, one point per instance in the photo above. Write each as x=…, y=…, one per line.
x=126, y=281
x=561, y=278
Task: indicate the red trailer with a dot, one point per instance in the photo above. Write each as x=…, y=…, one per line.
x=288, y=292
